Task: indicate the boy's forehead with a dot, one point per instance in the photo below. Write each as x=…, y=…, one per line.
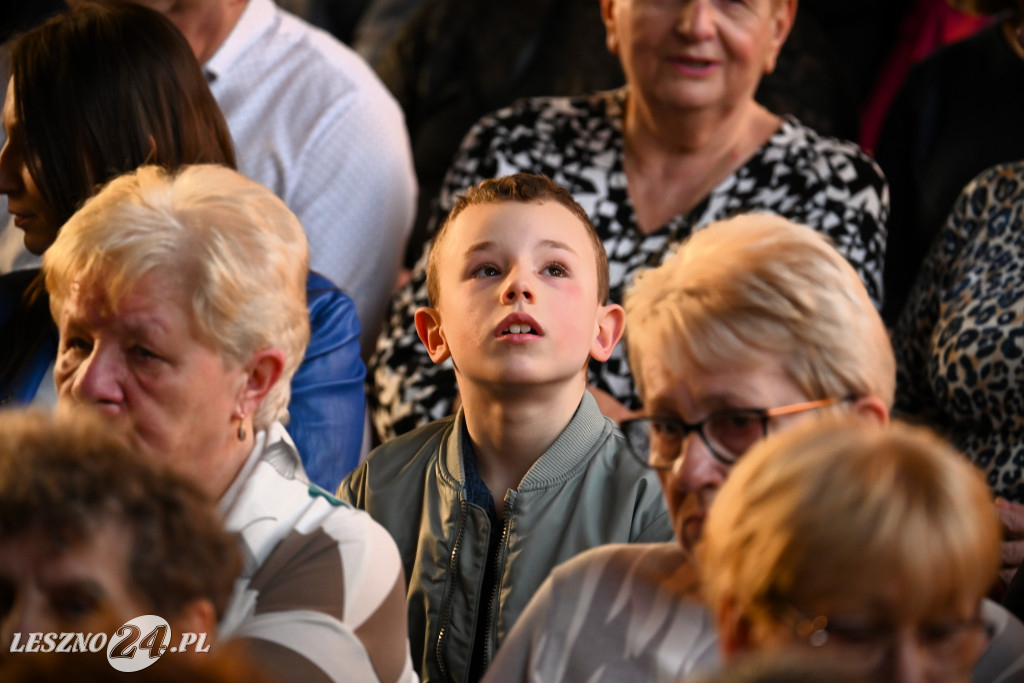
x=545, y=223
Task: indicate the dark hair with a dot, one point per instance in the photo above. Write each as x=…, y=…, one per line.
x=100, y=90
x=525, y=188
x=61, y=478
x=105, y=88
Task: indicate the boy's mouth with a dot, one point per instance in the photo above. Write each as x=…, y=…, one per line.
x=518, y=323
x=518, y=329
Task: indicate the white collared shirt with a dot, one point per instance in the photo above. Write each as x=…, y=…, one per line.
x=311, y=121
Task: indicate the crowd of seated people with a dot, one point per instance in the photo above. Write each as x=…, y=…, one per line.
x=636, y=413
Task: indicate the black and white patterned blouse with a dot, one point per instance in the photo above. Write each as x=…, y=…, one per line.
x=960, y=340
x=825, y=183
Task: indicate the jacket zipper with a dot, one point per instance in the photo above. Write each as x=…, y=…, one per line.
x=446, y=613
x=488, y=627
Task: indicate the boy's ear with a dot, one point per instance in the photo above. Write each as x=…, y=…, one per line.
x=611, y=322
x=428, y=327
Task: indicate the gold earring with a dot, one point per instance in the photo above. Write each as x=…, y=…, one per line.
x=241, y=429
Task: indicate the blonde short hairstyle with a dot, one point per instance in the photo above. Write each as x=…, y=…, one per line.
x=833, y=506
x=236, y=250
x=760, y=284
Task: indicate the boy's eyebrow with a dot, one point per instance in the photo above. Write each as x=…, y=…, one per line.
x=551, y=244
x=555, y=244
x=479, y=246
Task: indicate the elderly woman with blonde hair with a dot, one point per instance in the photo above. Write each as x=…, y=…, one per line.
x=745, y=329
x=753, y=325
x=870, y=548
x=180, y=302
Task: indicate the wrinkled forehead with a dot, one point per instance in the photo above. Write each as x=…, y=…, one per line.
x=104, y=287
x=668, y=358
x=155, y=302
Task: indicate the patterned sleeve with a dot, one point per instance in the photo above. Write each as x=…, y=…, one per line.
x=408, y=389
x=913, y=337
x=330, y=605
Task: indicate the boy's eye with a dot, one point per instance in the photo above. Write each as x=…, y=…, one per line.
x=555, y=270
x=486, y=270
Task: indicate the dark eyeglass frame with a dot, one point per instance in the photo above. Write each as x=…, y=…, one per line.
x=762, y=415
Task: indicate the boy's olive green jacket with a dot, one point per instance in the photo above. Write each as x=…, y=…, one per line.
x=585, y=490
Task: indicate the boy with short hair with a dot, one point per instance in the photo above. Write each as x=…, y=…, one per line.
x=528, y=473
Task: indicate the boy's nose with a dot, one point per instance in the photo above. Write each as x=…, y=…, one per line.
x=512, y=294
x=517, y=287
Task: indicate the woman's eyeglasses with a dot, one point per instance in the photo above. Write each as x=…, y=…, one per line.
x=658, y=441
x=948, y=644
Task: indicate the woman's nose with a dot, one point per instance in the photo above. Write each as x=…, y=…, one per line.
x=98, y=380
x=696, y=469
x=10, y=170
x=695, y=19
x=909, y=660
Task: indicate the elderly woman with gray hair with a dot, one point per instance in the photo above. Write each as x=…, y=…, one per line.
x=180, y=302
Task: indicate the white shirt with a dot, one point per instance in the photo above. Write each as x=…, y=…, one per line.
x=311, y=121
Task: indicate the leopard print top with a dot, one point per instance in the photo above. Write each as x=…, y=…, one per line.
x=826, y=183
x=960, y=341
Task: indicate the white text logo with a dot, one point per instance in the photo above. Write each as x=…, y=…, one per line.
x=133, y=647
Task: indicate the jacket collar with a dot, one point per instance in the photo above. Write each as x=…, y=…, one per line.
x=586, y=430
